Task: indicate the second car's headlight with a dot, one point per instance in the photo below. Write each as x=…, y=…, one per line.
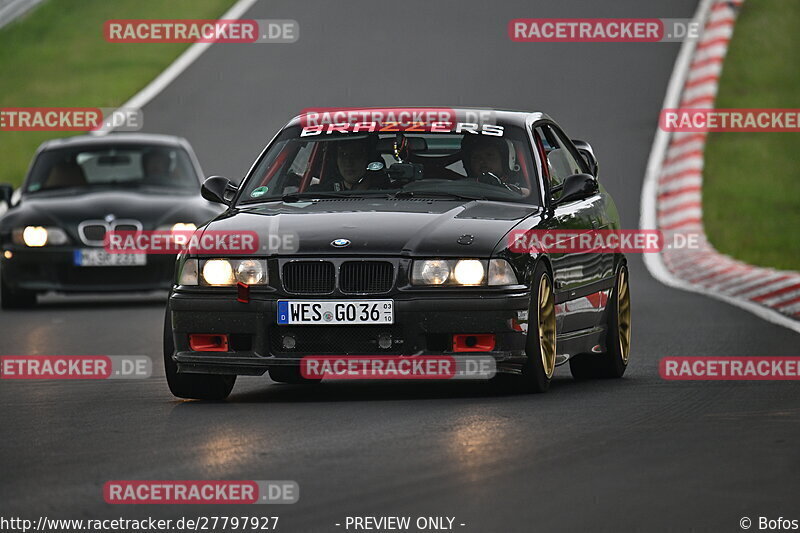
x=178, y=226
x=223, y=272
x=38, y=236
x=466, y=272
x=184, y=226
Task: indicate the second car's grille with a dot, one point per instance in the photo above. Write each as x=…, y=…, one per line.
x=308, y=277
x=94, y=232
x=365, y=277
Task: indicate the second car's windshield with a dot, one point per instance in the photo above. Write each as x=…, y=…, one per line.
x=437, y=165
x=124, y=165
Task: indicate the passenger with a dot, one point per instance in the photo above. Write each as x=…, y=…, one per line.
x=155, y=167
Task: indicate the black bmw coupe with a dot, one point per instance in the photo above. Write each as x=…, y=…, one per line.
x=403, y=249
x=53, y=228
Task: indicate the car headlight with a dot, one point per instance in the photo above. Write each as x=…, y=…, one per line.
x=38, y=236
x=184, y=226
x=189, y=273
x=469, y=272
x=250, y=271
x=431, y=272
x=501, y=273
x=218, y=272
x=178, y=226
x=223, y=272
x=464, y=272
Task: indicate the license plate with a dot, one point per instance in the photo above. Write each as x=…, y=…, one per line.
x=333, y=312
x=89, y=258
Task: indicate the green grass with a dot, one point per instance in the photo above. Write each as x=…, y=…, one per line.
x=57, y=56
x=751, y=186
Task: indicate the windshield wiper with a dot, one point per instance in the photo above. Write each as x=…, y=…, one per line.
x=432, y=194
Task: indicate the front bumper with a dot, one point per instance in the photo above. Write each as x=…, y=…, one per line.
x=54, y=269
x=424, y=325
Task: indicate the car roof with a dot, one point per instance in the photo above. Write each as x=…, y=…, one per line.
x=113, y=138
x=508, y=116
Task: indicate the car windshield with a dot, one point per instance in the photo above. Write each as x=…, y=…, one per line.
x=496, y=165
x=132, y=165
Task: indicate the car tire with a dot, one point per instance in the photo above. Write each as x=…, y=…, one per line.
x=614, y=361
x=290, y=375
x=19, y=299
x=540, y=346
x=192, y=386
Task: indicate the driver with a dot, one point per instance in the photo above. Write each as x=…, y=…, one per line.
x=352, y=157
x=155, y=165
x=487, y=160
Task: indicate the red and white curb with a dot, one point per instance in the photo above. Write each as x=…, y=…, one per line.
x=672, y=191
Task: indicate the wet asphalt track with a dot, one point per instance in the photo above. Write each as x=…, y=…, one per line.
x=634, y=454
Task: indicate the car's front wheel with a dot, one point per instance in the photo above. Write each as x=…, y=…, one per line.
x=614, y=361
x=192, y=386
x=540, y=346
x=19, y=299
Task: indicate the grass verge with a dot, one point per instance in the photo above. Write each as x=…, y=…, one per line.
x=56, y=56
x=751, y=181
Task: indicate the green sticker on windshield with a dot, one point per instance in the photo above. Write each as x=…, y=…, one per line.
x=259, y=191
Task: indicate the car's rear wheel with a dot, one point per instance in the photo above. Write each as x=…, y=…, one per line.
x=291, y=375
x=540, y=347
x=15, y=299
x=614, y=361
x=192, y=386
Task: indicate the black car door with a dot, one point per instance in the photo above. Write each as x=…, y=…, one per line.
x=579, y=275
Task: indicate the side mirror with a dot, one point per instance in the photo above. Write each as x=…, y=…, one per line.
x=587, y=152
x=218, y=189
x=6, y=190
x=578, y=187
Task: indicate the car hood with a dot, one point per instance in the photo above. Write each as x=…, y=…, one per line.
x=66, y=210
x=419, y=227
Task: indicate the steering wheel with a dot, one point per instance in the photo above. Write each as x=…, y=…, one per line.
x=490, y=179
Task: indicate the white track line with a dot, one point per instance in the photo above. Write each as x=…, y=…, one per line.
x=709, y=60
x=188, y=57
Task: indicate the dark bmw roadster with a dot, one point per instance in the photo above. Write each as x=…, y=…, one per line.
x=402, y=249
x=77, y=189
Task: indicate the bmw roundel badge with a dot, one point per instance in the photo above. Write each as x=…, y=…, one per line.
x=340, y=243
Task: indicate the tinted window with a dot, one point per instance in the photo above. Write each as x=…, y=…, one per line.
x=113, y=166
x=487, y=166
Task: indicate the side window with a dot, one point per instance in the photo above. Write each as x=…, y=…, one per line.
x=578, y=164
x=561, y=162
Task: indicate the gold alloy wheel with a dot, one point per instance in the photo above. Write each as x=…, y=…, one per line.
x=547, y=326
x=624, y=314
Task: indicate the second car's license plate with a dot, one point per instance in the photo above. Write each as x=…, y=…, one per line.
x=97, y=257
x=333, y=312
